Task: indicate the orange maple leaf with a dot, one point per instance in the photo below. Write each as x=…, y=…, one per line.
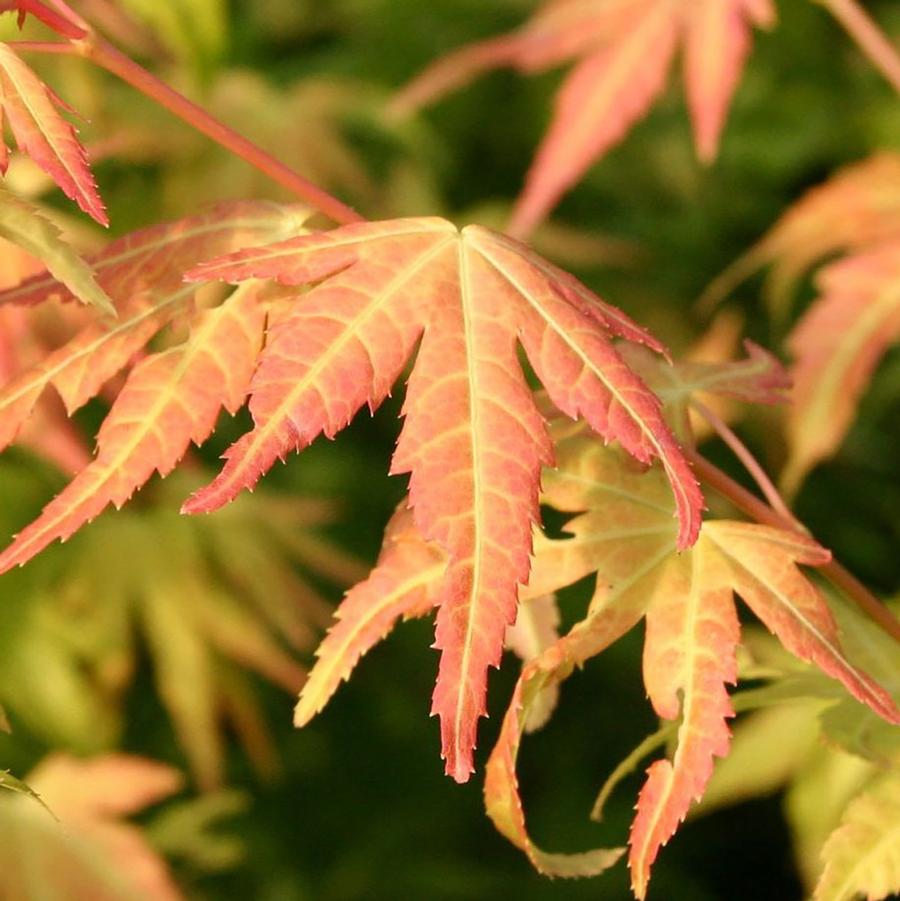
x=623, y=532
x=43, y=134
x=92, y=853
x=473, y=440
x=856, y=209
x=403, y=584
x=626, y=537
x=837, y=345
x=625, y=49
x=839, y=341
x=170, y=398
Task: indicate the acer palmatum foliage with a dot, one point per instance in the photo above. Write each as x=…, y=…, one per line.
x=622, y=531
x=624, y=50
x=354, y=306
x=837, y=346
x=91, y=852
x=30, y=107
x=170, y=398
x=473, y=440
x=855, y=317
x=207, y=605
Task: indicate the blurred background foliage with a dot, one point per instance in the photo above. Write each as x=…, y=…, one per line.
x=193, y=662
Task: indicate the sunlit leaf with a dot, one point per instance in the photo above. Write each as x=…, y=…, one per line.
x=23, y=224
x=41, y=132
x=472, y=439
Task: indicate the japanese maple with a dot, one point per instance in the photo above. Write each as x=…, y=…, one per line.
x=324, y=321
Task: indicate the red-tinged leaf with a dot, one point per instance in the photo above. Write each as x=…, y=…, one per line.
x=857, y=208
x=625, y=48
x=91, y=853
x=558, y=31
x=143, y=273
x=762, y=563
x=689, y=655
x=404, y=584
x=49, y=432
x=169, y=400
x=43, y=134
x=629, y=571
x=599, y=102
x=473, y=439
x=623, y=532
x=717, y=42
x=837, y=346
x=80, y=368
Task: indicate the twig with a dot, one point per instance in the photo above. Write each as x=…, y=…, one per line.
x=750, y=463
x=90, y=46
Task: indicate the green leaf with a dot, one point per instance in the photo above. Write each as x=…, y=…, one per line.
x=862, y=856
x=187, y=831
x=25, y=226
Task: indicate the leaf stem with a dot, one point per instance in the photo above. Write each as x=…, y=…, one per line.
x=757, y=510
x=750, y=463
x=868, y=36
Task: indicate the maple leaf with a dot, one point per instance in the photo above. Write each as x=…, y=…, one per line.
x=91, y=853
x=472, y=440
x=858, y=208
x=758, y=379
x=862, y=856
x=856, y=317
x=142, y=272
x=624, y=48
x=837, y=345
x=626, y=537
x=49, y=432
x=211, y=598
x=405, y=584
x=43, y=134
x=169, y=400
x=624, y=533
x=837, y=762
x=21, y=223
